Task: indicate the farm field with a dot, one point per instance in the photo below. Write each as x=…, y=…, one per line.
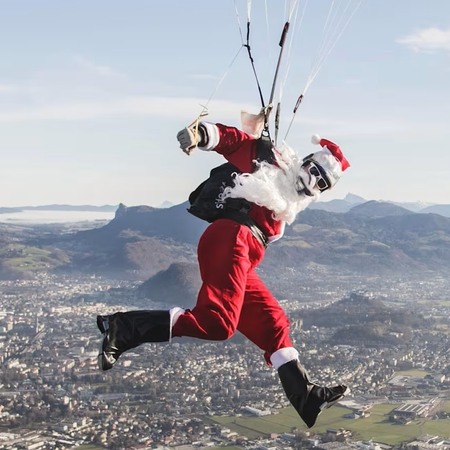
x=376, y=426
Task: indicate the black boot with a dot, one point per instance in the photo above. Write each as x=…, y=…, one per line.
x=307, y=398
x=125, y=330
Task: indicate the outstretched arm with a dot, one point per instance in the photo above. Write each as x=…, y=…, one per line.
x=237, y=147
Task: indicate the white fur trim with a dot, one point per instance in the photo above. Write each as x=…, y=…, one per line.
x=273, y=186
x=315, y=139
x=329, y=163
x=174, y=314
x=283, y=356
x=279, y=235
x=326, y=159
x=213, y=136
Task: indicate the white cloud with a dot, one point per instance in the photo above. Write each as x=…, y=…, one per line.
x=7, y=88
x=428, y=40
x=83, y=90
x=90, y=67
x=203, y=77
x=126, y=106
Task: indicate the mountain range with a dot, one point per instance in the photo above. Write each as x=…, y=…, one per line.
x=370, y=238
x=351, y=200
x=336, y=205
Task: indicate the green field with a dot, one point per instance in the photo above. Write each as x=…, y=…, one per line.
x=446, y=406
x=416, y=373
x=225, y=448
x=89, y=447
x=375, y=427
x=27, y=258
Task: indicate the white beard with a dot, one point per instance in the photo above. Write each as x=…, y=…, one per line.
x=274, y=187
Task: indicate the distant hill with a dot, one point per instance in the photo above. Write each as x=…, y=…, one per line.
x=375, y=208
x=178, y=285
x=413, y=206
x=364, y=320
x=339, y=205
x=166, y=204
x=139, y=242
x=104, y=208
x=5, y=210
x=371, y=238
x=359, y=308
x=351, y=200
x=443, y=210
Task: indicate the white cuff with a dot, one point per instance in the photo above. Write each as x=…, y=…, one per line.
x=213, y=136
x=283, y=356
x=174, y=313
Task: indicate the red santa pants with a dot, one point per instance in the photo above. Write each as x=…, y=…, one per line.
x=232, y=296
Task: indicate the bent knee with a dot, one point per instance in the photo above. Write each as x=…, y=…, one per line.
x=221, y=333
x=220, y=328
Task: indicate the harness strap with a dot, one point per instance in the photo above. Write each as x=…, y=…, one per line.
x=244, y=219
x=249, y=51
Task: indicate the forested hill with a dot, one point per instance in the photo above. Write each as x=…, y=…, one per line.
x=370, y=238
x=373, y=237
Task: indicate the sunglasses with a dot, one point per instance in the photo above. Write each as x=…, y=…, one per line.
x=322, y=181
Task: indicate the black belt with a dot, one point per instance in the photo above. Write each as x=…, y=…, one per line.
x=244, y=219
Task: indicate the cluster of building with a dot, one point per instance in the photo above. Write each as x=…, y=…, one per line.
x=52, y=395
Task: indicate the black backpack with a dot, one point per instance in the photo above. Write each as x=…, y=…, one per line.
x=205, y=201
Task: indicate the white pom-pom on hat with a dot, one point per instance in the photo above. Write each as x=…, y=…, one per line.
x=315, y=139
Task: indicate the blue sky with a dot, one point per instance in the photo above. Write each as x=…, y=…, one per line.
x=92, y=94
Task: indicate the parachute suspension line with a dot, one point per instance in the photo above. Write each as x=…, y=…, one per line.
x=204, y=110
x=324, y=50
x=196, y=121
x=247, y=46
x=265, y=132
x=281, y=44
x=267, y=109
x=249, y=9
x=293, y=11
x=267, y=28
x=297, y=24
x=252, y=61
x=333, y=30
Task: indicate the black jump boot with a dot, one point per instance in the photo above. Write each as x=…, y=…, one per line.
x=307, y=398
x=125, y=330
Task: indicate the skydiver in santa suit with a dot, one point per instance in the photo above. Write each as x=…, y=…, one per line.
x=232, y=296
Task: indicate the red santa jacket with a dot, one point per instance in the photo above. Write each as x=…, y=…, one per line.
x=239, y=149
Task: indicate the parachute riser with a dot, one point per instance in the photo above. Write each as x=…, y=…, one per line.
x=272, y=93
x=281, y=44
x=294, y=112
x=247, y=46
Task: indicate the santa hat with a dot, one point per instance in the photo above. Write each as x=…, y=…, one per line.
x=330, y=158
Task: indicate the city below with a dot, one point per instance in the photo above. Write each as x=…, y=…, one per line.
x=189, y=394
